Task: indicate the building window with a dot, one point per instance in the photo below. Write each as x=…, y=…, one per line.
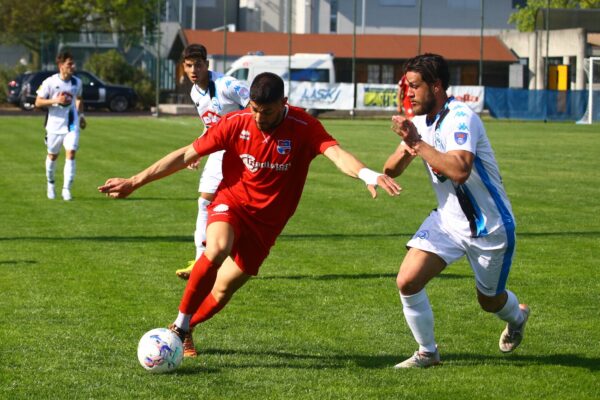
x=333, y=4
x=373, y=73
x=387, y=73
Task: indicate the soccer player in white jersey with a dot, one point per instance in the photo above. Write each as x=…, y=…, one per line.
x=61, y=93
x=214, y=95
x=473, y=216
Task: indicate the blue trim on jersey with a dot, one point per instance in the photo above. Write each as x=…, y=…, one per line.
x=506, y=215
x=507, y=219
x=479, y=221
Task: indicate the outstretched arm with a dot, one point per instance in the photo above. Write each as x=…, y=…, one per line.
x=353, y=167
x=171, y=163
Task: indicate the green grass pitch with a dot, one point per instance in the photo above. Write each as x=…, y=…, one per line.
x=81, y=281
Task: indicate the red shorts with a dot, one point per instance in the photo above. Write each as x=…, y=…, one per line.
x=252, y=244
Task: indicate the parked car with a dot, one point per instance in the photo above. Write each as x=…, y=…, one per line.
x=96, y=93
x=14, y=89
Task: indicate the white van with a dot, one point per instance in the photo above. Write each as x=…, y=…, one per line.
x=306, y=67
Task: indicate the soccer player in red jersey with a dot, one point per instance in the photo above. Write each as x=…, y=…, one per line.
x=269, y=148
x=404, y=104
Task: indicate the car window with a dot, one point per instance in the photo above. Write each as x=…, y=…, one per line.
x=86, y=78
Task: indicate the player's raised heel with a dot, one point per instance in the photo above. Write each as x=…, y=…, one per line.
x=184, y=273
x=420, y=360
x=178, y=331
x=189, y=348
x=511, y=338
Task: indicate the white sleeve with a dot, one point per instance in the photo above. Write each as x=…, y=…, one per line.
x=462, y=131
x=239, y=93
x=44, y=90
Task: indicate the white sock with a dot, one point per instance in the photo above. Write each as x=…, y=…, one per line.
x=69, y=173
x=183, y=321
x=50, y=168
x=200, y=233
x=511, y=312
x=419, y=316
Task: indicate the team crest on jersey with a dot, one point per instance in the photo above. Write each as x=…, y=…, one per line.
x=460, y=137
x=210, y=118
x=284, y=146
x=245, y=135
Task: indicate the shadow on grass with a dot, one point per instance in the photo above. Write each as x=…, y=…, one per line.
x=284, y=237
x=287, y=360
x=349, y=276
x=103, y=197
x=17, y=262
x=565, y=360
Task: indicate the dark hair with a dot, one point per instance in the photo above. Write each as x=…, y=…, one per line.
x=63, y=56
x=432, y=67
x=266, y=88
x=194, y=52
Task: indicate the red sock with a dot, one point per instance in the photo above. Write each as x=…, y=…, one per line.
x=202, y=279
x=207, y=310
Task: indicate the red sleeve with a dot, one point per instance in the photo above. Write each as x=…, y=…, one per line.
x=211, y=140
x=321, y=140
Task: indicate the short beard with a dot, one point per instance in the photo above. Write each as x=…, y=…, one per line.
x=428, y=105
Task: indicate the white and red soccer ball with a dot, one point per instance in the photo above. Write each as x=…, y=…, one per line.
x=160, y=350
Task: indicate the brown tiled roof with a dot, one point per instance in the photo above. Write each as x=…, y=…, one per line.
x=463, y=48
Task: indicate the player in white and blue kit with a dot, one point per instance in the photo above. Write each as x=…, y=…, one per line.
x=473, y=217
x=214, y=95
x=61, y=93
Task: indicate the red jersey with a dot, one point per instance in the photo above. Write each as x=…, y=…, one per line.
x=404, y=104
x=264, y=174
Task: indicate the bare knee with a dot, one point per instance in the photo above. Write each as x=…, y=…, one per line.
x=408, y=286
x=216, y=254
x=52, y=157
x=491, y=304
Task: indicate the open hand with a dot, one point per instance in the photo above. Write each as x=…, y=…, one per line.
x=117, y=188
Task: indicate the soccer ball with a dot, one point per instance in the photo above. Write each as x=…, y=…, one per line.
x=160, y=351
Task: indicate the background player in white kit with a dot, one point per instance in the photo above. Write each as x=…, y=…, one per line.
x=63, y=121
x=214, y=95
x=473, y=217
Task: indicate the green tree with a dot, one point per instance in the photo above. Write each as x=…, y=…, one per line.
x=524, y=17
x=112, y=67
x=28, y=22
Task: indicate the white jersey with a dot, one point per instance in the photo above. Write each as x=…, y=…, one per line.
x=61, y=118
x=226, y=95
x=480, y=205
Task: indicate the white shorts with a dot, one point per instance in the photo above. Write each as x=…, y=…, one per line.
x=490, y=256
x=212, y=175
x=70, y=141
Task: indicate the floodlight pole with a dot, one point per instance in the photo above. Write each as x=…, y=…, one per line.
x=354, y=60
x=420, y=26
x=225, y=29
x=481, y=47
x=289, y=27
x=591, y=90
x=157, y=92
